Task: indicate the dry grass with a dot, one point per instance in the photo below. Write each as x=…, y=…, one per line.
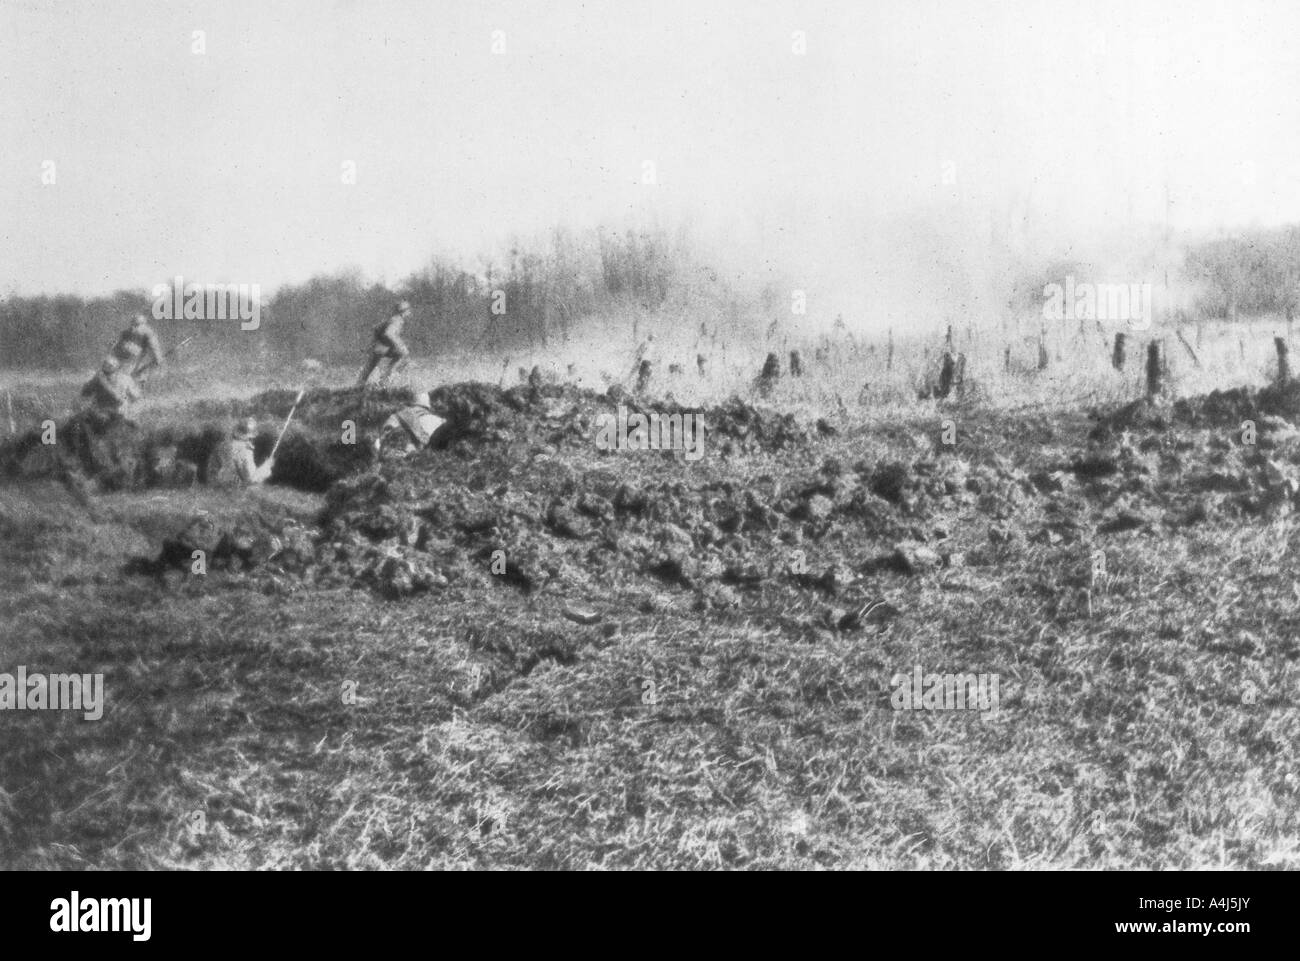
x=1155, y=728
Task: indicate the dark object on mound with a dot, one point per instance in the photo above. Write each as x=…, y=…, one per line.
x=483, y=411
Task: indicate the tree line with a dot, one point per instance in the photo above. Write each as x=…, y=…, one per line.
x=531, y=297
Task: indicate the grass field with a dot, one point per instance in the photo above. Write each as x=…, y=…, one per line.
x=726, y=709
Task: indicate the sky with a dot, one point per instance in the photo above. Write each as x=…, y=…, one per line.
x=814, y=136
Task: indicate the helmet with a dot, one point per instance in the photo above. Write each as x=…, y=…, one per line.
x=111, y=365
x=402, y=307
x=130, y=349
x=139, y=320
x=423, y=400
x=247, y=428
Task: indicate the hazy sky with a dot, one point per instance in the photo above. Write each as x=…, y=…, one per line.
x=226, y=165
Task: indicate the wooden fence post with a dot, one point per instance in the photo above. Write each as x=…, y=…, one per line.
x=769, y=375
x=947, y=375
x=1283, y=363
x=1117, y=358
x=1155, y=369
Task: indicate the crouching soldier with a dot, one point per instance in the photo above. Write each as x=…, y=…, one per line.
x=241, y=447
x=111, y=392
x=409, y=429
x=388, y=345
x=234, y=461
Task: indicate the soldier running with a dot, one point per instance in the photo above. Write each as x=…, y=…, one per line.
x=148, y=353
x=388, y=345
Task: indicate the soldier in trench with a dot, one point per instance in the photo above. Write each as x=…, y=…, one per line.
x=111, y=392
x=409, y=429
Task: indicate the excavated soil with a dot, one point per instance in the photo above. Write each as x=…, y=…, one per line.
x=797, y=521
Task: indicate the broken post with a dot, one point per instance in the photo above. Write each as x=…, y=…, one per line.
x=1155, y=368
x=1283, y=363
x=769, y=375
x=796, y=364
x=643, y=376
x=947, y=374
x=1191, y=351
x=1117, y=357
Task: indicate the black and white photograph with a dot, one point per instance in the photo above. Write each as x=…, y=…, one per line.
x=674, y=436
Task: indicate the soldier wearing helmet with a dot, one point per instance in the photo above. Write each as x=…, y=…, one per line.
x=388, y=345
x=245, y=463
x=139, y=347
x=410, y=428
x=112, y=391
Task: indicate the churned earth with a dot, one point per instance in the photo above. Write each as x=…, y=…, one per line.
x=520, y=650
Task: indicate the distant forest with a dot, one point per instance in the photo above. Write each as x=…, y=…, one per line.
x=537, y=296
x=545, y=293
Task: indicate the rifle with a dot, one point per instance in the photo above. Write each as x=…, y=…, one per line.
x=296, y=402
x=141, y=373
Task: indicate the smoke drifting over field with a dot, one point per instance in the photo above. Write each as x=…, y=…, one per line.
x=899, y=162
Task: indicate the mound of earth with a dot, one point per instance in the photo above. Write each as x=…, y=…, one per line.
x=517, y=498
x=1220, y=408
